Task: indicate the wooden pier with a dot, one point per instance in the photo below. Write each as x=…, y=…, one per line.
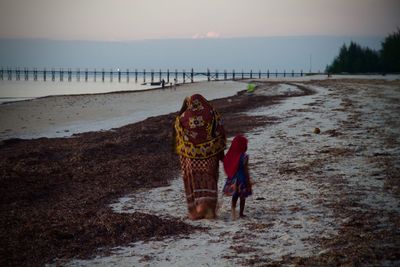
x=126, y=75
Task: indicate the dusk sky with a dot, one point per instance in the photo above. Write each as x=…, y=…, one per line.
x=126, y=20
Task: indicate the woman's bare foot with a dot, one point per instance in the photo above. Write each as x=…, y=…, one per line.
x=194, y=216
x=210, y=214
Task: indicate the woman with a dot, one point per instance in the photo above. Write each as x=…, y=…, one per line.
x=200, y=142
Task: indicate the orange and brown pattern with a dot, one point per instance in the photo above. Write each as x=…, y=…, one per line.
x=200, y=177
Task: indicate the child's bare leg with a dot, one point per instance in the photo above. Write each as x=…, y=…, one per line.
x=242, y=203
x=234, y=201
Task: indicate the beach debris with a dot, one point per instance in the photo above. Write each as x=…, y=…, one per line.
x=251, y=87
x=317, y=130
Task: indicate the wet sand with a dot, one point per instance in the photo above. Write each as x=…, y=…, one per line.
x=320, y=199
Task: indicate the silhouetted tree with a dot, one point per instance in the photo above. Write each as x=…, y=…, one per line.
x=390, y=52
x=355, y=59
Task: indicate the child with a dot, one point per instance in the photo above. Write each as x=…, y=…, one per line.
x=238, y=183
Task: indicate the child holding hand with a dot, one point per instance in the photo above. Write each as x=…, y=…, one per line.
x=238, y=184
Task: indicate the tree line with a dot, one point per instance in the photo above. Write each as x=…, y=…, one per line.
x=357, y=59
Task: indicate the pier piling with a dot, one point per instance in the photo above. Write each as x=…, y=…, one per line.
x=69, y=74
x=167, y=75
x=78, y=75
x=35, y=74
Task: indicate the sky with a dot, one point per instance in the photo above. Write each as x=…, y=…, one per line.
x=132, y=20
x=216, y=34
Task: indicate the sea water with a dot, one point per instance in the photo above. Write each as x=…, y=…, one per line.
x=17, y=90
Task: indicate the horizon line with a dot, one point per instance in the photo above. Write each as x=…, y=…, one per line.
x=184, y=39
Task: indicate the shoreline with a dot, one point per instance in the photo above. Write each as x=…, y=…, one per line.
x=63, y=116
x=388, y=77
x=94, y=94
x=66, y=115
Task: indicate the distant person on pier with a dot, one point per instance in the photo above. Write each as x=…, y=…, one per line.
x=200, y=143
x=163, y=83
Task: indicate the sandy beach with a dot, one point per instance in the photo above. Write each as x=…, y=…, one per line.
x=115, y=198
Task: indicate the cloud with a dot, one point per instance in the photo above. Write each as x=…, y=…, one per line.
x=212, y=35
x=209, y=35
x=198, y=36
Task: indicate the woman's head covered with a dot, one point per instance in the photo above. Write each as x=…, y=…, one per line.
x=191, y=104
x=199, y=128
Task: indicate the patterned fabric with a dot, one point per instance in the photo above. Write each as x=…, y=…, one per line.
x=239, y=185
x=200, y=177
x=199, y=130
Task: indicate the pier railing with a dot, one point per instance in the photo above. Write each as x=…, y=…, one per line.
x=145, y=76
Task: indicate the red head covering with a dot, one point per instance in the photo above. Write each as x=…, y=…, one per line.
x=232, y=158
x=197, y=119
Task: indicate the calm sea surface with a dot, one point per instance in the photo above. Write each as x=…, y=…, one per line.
x=12, y=90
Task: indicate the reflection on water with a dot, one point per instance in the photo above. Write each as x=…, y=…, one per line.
x=20, y=90
x=11, y=90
